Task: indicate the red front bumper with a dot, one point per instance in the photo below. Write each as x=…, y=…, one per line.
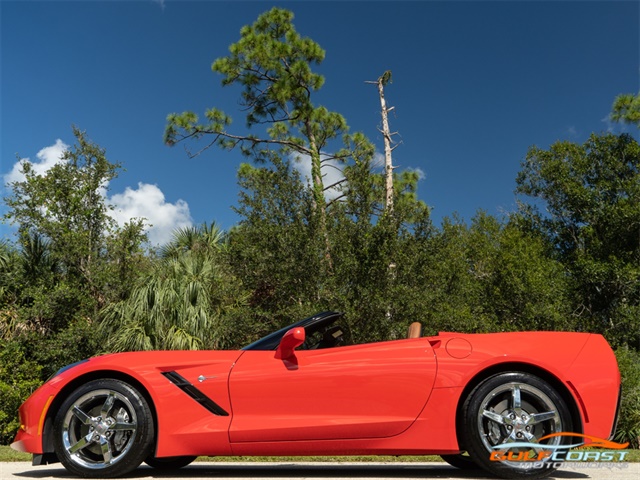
x=33, y=413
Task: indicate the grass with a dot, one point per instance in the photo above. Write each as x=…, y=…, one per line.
x=9, y=455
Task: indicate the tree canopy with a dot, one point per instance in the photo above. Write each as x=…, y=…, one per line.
x=74, y=284
x=591, y=195
x=626, y=108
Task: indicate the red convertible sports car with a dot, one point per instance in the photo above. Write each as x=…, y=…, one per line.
x=300, y=391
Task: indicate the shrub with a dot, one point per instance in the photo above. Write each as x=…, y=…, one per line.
x=18, y=378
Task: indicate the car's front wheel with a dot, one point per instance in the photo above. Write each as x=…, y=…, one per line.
x=103, y=429
x=518, y=409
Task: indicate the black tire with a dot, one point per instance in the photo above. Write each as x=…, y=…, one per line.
x=511, y=407
x=169, y=463
x=104, y=429
x=461, y=460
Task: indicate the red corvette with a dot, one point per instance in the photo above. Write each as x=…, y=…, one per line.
x=299, y=391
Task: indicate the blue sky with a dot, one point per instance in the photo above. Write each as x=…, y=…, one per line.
x=475, y=84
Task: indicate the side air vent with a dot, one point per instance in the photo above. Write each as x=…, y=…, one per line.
x=188, y=388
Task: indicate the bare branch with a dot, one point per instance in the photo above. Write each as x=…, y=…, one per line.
x=333, y=166
x=339, y=197
x=335, y=184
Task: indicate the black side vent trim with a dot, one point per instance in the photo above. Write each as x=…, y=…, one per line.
x=188, y=388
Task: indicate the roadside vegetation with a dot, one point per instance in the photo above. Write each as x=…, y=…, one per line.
x=74, y=284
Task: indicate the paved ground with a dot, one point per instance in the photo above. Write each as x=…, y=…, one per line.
x=315, y=471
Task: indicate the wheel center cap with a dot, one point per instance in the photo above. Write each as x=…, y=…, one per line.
x=101, y=427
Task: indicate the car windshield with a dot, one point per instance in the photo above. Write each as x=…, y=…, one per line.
x=319, y=329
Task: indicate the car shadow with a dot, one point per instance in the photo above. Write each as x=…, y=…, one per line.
x=299, y=471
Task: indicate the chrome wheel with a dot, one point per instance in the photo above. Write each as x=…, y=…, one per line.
x=103, y=429
x=99, y=429
x=507, y=417
x=517, y=412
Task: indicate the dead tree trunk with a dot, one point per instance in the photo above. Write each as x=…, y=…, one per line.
x=389, y=146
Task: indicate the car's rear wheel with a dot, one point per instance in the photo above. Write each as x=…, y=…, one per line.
x=103, y=429
x=169, y=463
x=512, y=408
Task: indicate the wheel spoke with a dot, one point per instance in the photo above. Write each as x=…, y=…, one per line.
x=108, y=405
x=105, y=448
x=530, y=437
x=83, y=417
x=80, y=444
x=496, y=417
x=515, y=397
x=123, y=427
x=541, y=417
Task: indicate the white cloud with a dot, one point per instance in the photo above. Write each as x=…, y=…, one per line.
x=378, y=160
x=419, y=171
x=47, y=158
x=148, y=202
x=331, y=173
x=616, y=127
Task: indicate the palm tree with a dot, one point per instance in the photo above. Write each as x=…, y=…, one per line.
x=4, y=256
x=202, y=239
x=35, y=256
x=181, y=303
x=8, y=312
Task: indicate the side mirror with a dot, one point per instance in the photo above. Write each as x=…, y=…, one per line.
x=291, y=340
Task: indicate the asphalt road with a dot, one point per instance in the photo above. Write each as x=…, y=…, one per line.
x=315, y=471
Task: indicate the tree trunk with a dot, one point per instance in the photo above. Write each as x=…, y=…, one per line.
x=386, y=133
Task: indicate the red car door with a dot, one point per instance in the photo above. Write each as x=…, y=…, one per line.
x=363, y=391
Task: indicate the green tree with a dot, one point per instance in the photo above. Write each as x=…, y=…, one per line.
x=370, y=248
x=591, y=199
x=272, y=63
x=8, y=274
x=19, y=376
x=202, y=239
x=626, y=108
x=66, y=206
x=294, y=247
x=183, y=302
x=273, y=250
x=484, y=277
x=74, y=258
x=278, y=256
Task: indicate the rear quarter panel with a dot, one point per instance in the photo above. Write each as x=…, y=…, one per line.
x=582, y=363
